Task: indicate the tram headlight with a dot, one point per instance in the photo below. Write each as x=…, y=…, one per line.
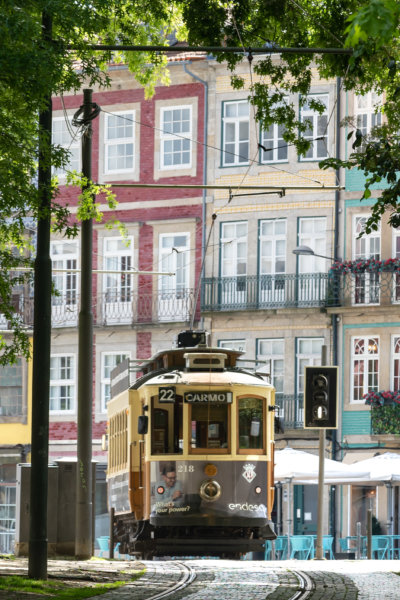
x=210, y=490
x=210, y=470
x=258, y=490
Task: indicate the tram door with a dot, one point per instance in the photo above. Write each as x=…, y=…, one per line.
x=305, y=503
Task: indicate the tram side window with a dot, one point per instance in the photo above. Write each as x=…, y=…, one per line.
x=209, y=425
x=251, y=423
x=167, y=426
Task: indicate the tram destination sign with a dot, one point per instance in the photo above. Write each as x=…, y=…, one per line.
x=210, y=397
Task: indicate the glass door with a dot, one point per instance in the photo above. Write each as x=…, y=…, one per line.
x=272, y=261
x=234, y=263
x=174, y=297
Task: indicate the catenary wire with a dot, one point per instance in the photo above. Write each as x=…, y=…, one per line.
x=245, y=158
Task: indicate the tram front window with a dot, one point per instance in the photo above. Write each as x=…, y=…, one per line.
x=167, y=426
x=209, y=426
x=251, y=423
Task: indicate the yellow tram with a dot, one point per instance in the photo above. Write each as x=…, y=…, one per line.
x=191, y=454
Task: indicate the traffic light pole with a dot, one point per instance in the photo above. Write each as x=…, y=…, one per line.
x=319, y=554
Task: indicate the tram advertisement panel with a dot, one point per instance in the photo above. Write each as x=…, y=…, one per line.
x=208, y=489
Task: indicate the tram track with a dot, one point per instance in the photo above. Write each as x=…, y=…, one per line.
x=306, y=586
x=188, y=575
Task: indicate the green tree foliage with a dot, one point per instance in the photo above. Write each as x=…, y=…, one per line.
x=369, y=28
x=31, y=69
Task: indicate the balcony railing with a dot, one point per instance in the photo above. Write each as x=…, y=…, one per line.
x=291, y=409
x=252, y=292
x=264, y=291
x=113, y=309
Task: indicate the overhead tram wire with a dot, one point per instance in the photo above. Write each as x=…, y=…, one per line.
x=214, y=49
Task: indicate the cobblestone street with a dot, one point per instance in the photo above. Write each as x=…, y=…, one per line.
x=229, y=580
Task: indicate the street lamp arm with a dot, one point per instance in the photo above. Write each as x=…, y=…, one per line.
x=307, y=251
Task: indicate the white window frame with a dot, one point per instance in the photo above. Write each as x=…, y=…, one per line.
x=272, y=355
x=168, y=283
x=276, y=140
x=366, y=285
x=117, y=256
x=275, y=238
x=362, y=246
x=105, y=381
x=364, y=359
x=396, y=254
x=73, y=145
x=71, y=382
x=316, y=239
x=308, y=359
x=239, y=345
x=166, y=137
x=236, y=121
x=365, y=106
x=69, y=279
x=108, y=143
x=234, y=243
x=314, y=117
x=395, y=358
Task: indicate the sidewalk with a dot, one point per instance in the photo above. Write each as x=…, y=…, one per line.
x=71, y=572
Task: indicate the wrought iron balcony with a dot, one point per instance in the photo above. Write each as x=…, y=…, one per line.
x=137, y=308
x=373, y=287
x=264, y=291
x=252, y=292
x=127, y=307
x=291, y=410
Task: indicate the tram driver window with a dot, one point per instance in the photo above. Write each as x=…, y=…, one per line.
x=251, y=423
x=167, y=426
x=209, y=426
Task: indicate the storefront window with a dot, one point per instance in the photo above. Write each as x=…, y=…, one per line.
x=251, y=423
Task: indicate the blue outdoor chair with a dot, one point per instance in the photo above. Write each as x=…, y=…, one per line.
x=268, y=550
x=380, y=546
x=301, y=545
x=327, y=542
x=281, y=547
x=103, y=542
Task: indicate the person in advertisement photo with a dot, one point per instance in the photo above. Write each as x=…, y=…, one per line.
x=169, y=494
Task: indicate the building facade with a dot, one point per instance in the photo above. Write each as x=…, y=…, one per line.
x=252, y=292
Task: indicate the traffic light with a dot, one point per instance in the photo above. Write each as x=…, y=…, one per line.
x=320, y=398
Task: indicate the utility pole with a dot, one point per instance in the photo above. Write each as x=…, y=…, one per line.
x=84, y=483
x=319, y=554
x=37, y=568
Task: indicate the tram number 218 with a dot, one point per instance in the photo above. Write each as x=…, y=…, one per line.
x=185, y=468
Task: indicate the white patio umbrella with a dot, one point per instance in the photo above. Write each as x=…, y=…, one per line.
x=302, y=468
x=384, y=469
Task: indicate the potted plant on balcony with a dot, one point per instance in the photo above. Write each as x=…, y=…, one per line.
x=385, y=411
x=366, y=265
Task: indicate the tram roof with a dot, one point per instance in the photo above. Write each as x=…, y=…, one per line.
x=174, y=358
x=211, y=378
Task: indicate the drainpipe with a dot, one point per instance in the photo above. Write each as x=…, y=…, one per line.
x=335, y=316
x=204, y=211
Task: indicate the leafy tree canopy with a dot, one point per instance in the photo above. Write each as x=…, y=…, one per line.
x=32, y=68
x=370, y=28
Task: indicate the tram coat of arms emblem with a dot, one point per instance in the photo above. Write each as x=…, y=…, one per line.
x=249, y=472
